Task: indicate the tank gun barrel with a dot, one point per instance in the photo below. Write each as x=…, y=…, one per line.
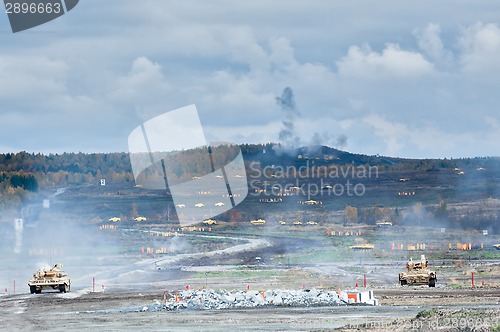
x=53, y=278
x=417, y=273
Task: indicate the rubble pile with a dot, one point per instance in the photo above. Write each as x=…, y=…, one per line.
x=210, y=299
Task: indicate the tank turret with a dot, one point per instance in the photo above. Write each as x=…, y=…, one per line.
x=53, y=278
x=418, y=273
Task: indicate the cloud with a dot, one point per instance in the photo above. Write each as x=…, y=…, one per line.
x=480, y=48
x=402, y=140
x=392, y=62
x=138, y=61
x=144, y=81
x=241, y=46
x=231, y=99
x=282, y=54
x=429, y=40
x=392, y=133
x=23, y=76
x=244, y=133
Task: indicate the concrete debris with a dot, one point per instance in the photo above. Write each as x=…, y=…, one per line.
x=210, y=299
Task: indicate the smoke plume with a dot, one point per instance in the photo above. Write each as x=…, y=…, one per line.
x=290, y=142
x=341, y=142
x=287, y=135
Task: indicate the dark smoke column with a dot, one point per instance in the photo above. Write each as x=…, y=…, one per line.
x=288, y=139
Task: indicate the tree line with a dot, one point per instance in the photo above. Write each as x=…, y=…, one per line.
x=23, y=173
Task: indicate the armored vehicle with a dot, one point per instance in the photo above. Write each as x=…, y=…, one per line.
x=365, y=246
x=418, y=273
x=53, y=278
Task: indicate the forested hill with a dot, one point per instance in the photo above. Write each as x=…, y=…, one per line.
x=117, y=165
x=23, y=172
x=92, y=163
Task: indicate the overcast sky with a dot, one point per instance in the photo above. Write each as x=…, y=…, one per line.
x=397, y=78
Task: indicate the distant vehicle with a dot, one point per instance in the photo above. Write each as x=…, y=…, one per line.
x=297, y=222
x=326, y=187
x=282, y=222
x=365, y=246
x=311, y=202
x=258, y=222
x=383, y=223
x=181, y=205
x=312, y=223
x=140, y=218
x=53, y=278
x=210, y=222
x=271, y=200
x=417, y=273
x=219, y=204
x=199, y=205
x=497, y=246
x=114, y=219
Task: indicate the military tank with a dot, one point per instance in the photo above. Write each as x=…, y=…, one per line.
x=418, y=273
x=53, y=278
x=365, y=246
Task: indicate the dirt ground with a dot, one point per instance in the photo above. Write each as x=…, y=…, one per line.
x=119, y=310
x=135, y=291
x=134, y=284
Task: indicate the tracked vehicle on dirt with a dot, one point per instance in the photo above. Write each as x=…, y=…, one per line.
x=53, y=278
x=365, y=246
x=418, y=273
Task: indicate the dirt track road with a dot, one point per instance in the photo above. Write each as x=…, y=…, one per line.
x=122, y=311
x=119, y=311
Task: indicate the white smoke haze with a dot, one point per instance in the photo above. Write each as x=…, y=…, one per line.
x=327, y=139
x=173, y=244
x=54, y=236
x=19, y=226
